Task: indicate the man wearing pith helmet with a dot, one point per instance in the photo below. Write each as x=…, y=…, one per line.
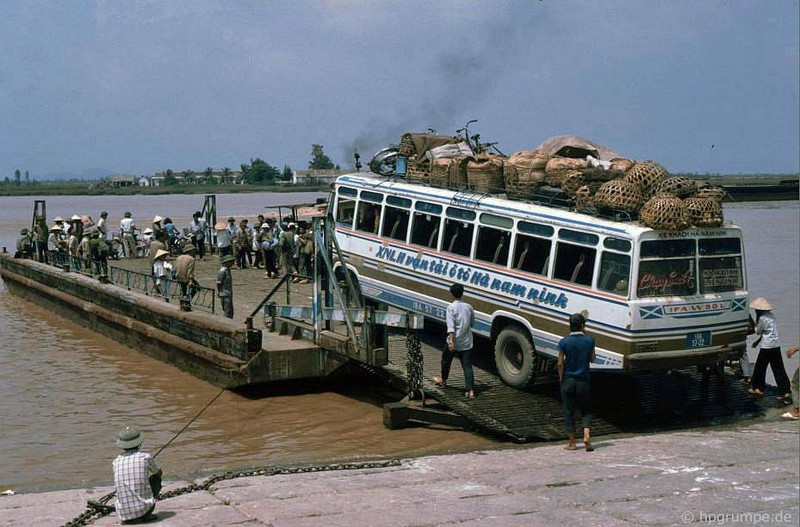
x=133, y=471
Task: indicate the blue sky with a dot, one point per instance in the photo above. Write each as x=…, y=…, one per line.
x=138, y=87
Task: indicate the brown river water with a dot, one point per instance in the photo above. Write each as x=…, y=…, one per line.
x=65, y=391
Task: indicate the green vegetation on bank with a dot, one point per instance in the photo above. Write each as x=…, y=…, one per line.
x=91, y=188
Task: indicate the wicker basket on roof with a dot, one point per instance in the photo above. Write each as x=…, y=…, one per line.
x=622, y=164
x=714, y=192
x=619, y=194
x=485, y=174
x=592, y=177
x=523, y=172
x=561, y=164
x=406, y=147
x=556, y=179
x=648, y=174
x=665, y=213
x=678, y=186
x=584, y=198
x=418, y=173
x=703, y=212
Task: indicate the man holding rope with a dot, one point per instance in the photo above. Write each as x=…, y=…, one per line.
x=137, y=479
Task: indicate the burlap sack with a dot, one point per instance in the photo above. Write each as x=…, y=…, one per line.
x=560, y=164
x=440, y=172
x=485, y=174
x=523, y=172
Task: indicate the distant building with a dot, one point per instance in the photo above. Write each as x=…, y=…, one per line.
x=199, y=178
x=122, y=180
x=315, y=177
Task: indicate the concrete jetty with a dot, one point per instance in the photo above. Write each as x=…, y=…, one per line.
x=743, y=474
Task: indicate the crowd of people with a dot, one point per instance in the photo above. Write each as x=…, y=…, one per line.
x=277, y=247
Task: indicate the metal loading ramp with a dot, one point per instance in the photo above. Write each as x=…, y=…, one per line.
x=622, y=403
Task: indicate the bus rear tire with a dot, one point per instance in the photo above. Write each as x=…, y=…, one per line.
x=515, y=357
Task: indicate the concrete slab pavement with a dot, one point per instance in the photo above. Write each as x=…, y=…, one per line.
x=743, y=474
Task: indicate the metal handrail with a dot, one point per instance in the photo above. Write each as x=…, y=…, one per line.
x=169, y=289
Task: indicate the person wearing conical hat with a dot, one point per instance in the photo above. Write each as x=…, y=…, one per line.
x=137, y=478
x=769, y=354
x=224, y=240
x=159, y=267
x=53, y=242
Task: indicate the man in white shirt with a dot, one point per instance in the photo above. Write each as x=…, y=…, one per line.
x=127, y=228
x=102, y=225
x=460, y=318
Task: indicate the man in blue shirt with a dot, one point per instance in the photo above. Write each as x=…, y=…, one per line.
x=575, y=352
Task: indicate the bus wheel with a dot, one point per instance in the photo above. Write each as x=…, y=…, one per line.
x=514, y=356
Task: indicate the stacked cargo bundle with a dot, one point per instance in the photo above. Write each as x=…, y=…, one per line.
x=595, y=178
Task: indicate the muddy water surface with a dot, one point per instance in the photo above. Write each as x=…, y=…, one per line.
x=65, y=391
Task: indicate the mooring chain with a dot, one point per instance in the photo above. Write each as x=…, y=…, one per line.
x=99, y=508
x=414, y=363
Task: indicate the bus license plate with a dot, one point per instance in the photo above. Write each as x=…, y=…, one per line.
x=699, y=339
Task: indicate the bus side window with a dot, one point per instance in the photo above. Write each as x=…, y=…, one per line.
x=615, y=272
x=425, y=229
x=369, y=217
x=458, y=237
x=345, y=210
x=395, y=226
x=531, y=254
x=492, y=245
x=574, y=263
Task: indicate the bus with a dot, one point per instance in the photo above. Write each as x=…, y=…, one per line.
x=653, y=299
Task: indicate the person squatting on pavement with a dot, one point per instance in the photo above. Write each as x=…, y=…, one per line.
x=575, y=352
x=769, y=353
x=225, y=284
x=137, y=479
x=460, y=317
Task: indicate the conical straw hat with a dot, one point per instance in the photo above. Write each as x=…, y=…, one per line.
x=761, y=304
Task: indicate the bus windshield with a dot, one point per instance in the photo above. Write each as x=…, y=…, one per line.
x=672, y=267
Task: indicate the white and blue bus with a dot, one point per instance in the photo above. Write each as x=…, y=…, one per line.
x=655, y=299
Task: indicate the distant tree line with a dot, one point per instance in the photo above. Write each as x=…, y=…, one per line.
x=256, y=172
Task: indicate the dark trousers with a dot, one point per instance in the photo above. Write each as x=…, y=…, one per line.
x=466, y=365
x=576, y=393
x=227, y=305
x=770, y=357
x=201, y=246
x=269, y=262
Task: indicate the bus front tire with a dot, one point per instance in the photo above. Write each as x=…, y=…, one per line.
x=515, y=357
